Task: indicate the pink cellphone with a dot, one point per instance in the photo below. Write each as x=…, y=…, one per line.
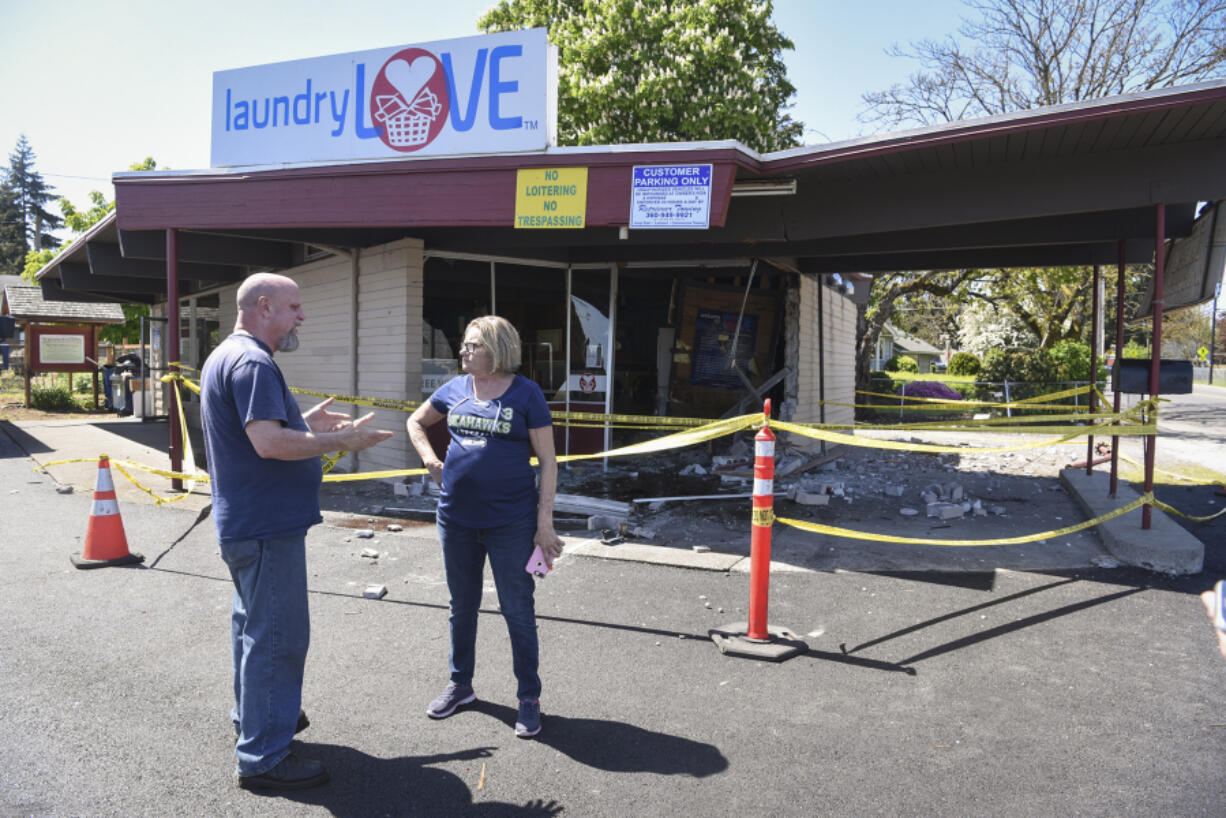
x=537, y=564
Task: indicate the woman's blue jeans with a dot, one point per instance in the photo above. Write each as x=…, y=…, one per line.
x=509, y=547
x=270, y=630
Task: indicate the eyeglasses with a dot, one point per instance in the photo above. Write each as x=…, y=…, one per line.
x=471, y=347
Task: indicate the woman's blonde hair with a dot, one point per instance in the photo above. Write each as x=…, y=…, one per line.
x=501, y=339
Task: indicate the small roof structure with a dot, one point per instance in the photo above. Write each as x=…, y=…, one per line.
x=25, y=302
x=909, y=343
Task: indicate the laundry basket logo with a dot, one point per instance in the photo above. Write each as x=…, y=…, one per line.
x=409, y=99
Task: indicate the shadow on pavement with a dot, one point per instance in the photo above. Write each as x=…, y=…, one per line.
x=363, y=785
x=26, y=444
x=616, y=746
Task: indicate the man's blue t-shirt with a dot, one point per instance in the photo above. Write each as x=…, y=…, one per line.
x=253, y=497
x=487, y=481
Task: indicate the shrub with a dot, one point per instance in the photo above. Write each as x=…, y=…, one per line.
x=929, y=389
x=1072, y=360
x=901, y=363
x=1029, y=365
x=52, y=399
x=964, y=363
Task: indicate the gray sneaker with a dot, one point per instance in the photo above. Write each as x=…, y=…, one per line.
x=451, y=698
x=528, y=724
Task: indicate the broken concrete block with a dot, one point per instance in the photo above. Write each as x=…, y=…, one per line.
x=600, y=522
x=370, y=553
x=727, y=461
x=997, y=509
x=395, y=527
x=895, y=491
x=375, y=592
x=945, y=511
x=693, y=468
x=954, y=493
x=930, y=497
x=364, y=533
x=808, y=498
x=908, y=512
x=978, y=508
x=400, y=489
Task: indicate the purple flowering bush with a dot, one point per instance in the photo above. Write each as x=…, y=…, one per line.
x=928, y=389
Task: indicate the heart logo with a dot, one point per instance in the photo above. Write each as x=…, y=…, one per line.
x=408, y=79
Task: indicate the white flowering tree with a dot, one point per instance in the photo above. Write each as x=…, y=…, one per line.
x=983, y=326
x=663, y=71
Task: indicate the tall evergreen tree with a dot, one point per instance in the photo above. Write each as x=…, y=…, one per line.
x=12, y=233
x=33, y=195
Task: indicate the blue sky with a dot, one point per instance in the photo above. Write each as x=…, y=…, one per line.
x=97, y=86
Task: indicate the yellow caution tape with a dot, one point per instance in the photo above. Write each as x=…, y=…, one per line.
x=818, y=528
x=872, y=443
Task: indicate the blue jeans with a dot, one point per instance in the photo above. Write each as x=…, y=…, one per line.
x=509, y=547
x=270, y=630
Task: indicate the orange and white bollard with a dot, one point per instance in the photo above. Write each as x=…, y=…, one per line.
x=756, y=639
x=105, y=541
x=760, y=529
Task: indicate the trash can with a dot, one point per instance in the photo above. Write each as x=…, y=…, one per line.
x=107, y=373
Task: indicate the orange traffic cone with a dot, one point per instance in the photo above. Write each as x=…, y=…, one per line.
x=105, y=543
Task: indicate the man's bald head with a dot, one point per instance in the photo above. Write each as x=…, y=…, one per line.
x=266, y=285
x=269, y=308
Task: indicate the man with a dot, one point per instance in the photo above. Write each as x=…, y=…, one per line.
x=265, y=469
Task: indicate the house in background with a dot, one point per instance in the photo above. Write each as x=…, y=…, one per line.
x=893, y=341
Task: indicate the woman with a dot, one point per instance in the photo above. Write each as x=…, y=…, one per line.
x=490, y=504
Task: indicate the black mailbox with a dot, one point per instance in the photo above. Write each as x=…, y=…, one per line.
x=1131, y=376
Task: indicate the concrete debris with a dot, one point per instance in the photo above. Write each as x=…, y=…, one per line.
x=395, y=527
x=693, y=468
x=364, y=533
x=945, y=511
x=997, y=510
x=895, y=491
x=740, y=448
x=63, y=489
x=808, y=498
x=789, y=465
x=640, y=532
x=702, y=549
x=727, y=462
x=978, y=508
x=370, y=553
x=908, y=512
x=600, y=522
x=578, y=504
x=375, y=592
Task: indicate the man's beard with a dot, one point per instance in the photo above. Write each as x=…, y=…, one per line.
x=288, y=342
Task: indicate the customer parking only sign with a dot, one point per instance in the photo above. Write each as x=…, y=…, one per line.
x=476, y=95
x=670, y=197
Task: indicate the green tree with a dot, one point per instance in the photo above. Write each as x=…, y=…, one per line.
x=12, y=232
x=663, y=71
x=33, y=194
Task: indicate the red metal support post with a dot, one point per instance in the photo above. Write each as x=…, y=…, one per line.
x=1093, y=368
x=760, y=538
x=1155, y=361
x=172, y=351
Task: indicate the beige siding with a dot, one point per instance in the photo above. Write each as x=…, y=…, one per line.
x=839, y=347
x=389, y=304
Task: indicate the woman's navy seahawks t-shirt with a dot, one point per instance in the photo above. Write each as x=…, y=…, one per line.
x=487, y=481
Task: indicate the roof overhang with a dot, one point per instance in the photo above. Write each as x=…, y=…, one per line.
x=1068, y=185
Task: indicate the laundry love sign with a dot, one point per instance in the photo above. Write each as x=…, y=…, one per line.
x=490, y=94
